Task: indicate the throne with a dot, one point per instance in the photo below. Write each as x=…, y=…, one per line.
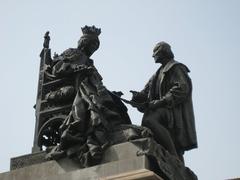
x=54, y=101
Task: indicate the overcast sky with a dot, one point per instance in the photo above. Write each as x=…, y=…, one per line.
x=204, y=35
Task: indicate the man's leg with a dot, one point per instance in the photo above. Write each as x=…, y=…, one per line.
x=152, y=119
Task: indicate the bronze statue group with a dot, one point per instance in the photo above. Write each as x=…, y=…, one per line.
x=97, y=113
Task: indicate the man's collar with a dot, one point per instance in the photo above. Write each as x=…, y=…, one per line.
x=169, y=65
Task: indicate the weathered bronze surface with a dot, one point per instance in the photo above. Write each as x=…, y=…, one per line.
x=166, y=102
x=78, y=118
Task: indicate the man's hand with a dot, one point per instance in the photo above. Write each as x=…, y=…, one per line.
x=138, y=97
x=135, y=95
x=156, y=104
x=139, y=105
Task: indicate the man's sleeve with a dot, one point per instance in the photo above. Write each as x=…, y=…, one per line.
x=147, y=87
x=180, y=86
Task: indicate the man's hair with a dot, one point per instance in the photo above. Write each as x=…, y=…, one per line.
x=165, y=48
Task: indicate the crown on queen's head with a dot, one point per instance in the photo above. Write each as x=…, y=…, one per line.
x=91, y=31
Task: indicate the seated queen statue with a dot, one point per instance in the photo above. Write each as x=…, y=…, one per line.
x=95, y=110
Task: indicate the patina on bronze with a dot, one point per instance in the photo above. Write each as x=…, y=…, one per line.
x=78, y=118
x=168, y=109
x=94, y=113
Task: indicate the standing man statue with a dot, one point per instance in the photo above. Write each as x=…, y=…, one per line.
x=167, y=103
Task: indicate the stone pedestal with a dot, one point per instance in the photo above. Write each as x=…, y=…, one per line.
x=119, y=162
x=142, y=174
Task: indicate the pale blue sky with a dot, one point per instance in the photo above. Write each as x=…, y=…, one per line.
x=204, y=35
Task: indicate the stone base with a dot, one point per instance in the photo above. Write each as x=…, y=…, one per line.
x=27, y=160
x=137, y=159
x=134, y=168
x=142, y=174
x=119, y=162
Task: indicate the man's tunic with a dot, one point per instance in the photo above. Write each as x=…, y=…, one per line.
x=172, y=84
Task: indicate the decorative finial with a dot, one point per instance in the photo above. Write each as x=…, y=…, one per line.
x=46, y=40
